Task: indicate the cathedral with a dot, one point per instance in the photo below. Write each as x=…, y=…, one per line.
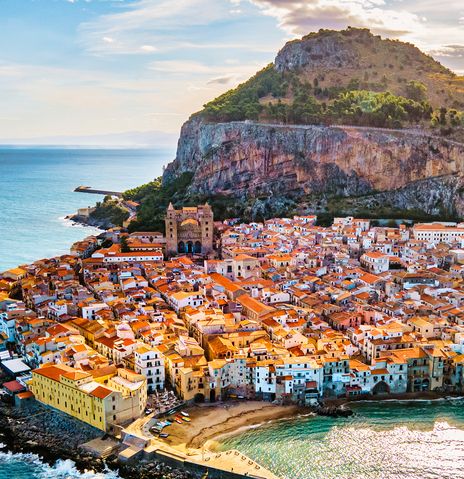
x=189, y=230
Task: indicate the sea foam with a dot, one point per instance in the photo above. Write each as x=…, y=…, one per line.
x=33, y=466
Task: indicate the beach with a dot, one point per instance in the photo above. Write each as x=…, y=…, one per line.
x=210, y=422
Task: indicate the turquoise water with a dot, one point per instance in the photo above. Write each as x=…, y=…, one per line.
x=29, y=466
x=389, y=440
x=36, y=193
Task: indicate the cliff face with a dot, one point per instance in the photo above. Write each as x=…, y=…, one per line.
x=337, y=169
x=243, y=159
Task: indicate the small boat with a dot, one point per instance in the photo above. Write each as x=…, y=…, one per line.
x=185, y=414
x=186, y=419
x=164, y=435
x=178, y=420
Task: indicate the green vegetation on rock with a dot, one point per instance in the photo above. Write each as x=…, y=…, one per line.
x=110, y=211
x=243, y=102
x=370, y=82
x=344, y=105
x=155, y=197
x=367, y=108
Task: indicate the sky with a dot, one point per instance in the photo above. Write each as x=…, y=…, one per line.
x=73, y=68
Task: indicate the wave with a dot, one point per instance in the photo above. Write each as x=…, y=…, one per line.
x=34, y=467
x=218, y=439
x=427, y=400
x=357, y=450
x=69, y=223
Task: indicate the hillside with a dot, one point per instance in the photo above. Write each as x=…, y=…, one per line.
x=352, y=77
x=342, y=122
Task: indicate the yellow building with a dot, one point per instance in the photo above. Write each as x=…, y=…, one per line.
x=121, y=399
x=193, y=385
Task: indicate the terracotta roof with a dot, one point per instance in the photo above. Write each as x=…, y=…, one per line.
x=101, y=392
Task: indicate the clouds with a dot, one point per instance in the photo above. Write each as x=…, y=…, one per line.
x=148, y=48
x=452, y=56
x=456, y=51
x=224, y=80
x=115, y=65
x=425, y=23
x=298, y=18
x=154, y=23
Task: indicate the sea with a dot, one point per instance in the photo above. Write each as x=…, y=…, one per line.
x=382, y=440
x=30, y=466
x=36, y=193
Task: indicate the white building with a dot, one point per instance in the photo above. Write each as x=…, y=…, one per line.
x=111, y=256
x=375, y=262
x=150, y=363
x=182, y=299
x=438, y=232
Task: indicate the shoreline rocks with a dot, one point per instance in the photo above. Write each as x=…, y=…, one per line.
x=103, y=224
x=53, y=437
x=334, y=411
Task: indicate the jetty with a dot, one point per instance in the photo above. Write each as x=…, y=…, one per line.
x=94, y=191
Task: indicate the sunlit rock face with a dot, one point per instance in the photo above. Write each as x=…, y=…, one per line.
x=244, y=159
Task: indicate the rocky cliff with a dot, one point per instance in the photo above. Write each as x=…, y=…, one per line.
x=332, y=78
x=244, y=159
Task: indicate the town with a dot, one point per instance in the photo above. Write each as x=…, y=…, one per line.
x=286, y=311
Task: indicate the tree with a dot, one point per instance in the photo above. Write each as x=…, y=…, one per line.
x=442, y=118
x=416, y=90
x=124, y=245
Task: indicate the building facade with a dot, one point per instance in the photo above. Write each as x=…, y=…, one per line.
x=189, y=230
x=120, y=400
x=149, y=362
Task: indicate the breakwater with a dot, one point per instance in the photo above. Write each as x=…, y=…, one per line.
x=95, y=191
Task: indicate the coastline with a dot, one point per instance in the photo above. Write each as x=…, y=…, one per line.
x=101, y=224
x=416, y=396
x=209, y=423
x=214, y=440
x=216, y=424
x=30, y=431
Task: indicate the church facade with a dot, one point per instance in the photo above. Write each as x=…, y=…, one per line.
x=189, y=230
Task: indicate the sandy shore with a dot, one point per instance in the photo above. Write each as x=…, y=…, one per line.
x=209, y=422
